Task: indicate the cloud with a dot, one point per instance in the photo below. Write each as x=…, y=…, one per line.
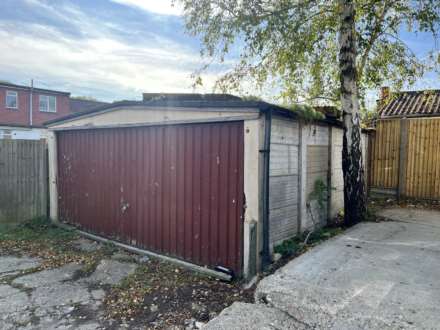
x=99, y=60
x=162, y=7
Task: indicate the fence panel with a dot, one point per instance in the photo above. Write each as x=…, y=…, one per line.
x=23, y=180
x=384, y=155
x=422, y=174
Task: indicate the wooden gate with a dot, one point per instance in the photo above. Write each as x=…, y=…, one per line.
x=405, y=157
x=176, y=190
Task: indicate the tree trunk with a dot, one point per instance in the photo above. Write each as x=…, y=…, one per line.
x=354, y=180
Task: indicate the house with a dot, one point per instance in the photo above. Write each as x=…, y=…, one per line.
x=405, y=146
x=24, y=109
x=209, y=179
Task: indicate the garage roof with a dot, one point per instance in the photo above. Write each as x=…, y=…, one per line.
x=245, y=105
x=229, y=104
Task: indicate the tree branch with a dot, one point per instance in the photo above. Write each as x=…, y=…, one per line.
x=374, y=36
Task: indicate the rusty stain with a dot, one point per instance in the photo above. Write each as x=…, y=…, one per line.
x=176, y=190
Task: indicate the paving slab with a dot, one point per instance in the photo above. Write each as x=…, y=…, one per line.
x=110, y=272
x=86, y=245
x=49, y=304
x=61, y=294
x=50, y=298
x=252, y=316
x=13, y=264
x=48, y=277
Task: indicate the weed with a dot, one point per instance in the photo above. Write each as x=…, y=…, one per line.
x=295, y=245
x=306, y=112
x=108, y=249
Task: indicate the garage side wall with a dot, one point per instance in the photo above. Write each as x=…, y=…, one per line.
x=301, y=156
x=283, y=181
x=315, y=164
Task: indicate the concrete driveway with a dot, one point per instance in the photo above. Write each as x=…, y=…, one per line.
x=374, y=276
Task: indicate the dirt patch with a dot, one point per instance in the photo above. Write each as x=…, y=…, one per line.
x=161, y=295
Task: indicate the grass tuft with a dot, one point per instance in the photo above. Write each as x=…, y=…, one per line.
x=37, y=229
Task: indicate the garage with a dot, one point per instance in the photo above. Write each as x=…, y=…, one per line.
x=210, y=180
x=172, y=189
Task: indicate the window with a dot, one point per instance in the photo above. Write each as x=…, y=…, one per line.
x=11, y=100
x=48, y=103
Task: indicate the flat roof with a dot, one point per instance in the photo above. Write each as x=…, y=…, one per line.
x=244, y=105
x=237, y=105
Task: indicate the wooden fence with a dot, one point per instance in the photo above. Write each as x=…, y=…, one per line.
x=23, y=180
x=405, y=157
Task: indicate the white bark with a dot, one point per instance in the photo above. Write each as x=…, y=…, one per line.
x=354, y=185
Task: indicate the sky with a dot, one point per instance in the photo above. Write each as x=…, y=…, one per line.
x=111, y=49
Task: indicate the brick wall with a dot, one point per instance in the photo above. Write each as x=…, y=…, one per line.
x=20, y=116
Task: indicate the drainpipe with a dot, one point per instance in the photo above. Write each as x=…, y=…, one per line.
x=266, y=260
x=30, y=102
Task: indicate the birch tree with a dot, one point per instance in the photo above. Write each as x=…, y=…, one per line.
x=352, y=166
x=317, y=50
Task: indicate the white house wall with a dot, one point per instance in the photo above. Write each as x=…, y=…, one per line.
x=18, y=133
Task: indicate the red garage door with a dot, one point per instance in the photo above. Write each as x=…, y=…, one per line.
x=176, y=190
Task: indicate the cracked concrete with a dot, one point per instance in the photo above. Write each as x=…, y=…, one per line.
x=374, y=276
x=48, y=277
x=86, y=245
x=243, y=316
x=55, y=298
x=11, y=265
x=110, y=272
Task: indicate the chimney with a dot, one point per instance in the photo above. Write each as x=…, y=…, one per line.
x=384, y=93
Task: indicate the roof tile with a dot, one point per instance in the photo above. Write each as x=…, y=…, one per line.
x=412, y=103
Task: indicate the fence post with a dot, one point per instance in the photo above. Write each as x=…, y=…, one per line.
x=401, y=185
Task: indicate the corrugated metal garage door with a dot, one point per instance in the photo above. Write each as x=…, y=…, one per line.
x=176, y=190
